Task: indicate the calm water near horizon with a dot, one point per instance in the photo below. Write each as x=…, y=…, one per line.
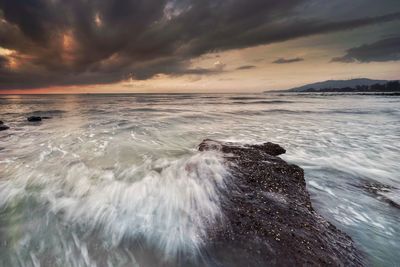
x=107, y=171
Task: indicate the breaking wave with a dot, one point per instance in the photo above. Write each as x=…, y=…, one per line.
x=168, y=204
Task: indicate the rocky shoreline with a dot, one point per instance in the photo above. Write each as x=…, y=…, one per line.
x=269, y=219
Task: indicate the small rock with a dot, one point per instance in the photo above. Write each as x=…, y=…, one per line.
x=34, y=118
x=3, y=127
x=1, y=122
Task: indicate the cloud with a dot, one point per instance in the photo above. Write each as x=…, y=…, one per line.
x=246, y=67
x=383, y=50
x=94, y=42
x=287, y=60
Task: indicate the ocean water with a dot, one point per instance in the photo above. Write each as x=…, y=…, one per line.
x=116, y=180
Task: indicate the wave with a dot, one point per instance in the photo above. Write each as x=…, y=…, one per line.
x=51, y=112
x=263, y=102
x=168, y=204
x=244, y=98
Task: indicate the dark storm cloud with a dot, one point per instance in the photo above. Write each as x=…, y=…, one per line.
x=246, y=67
x=287, y=60
x=59, y=42
x=384, y=50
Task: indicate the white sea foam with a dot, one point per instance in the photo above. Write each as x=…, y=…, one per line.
x=167, y=203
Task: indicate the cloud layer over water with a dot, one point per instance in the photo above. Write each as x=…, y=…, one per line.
x=55, y=43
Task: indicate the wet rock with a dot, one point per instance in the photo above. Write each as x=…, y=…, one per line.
x=42, y=115
x=3, y=127
x=269, y=148
x=269, y=219
x=34, y=118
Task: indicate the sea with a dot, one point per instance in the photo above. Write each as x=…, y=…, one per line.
x=108, y=180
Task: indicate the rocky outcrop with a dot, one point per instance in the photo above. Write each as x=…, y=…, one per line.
x=269, y=219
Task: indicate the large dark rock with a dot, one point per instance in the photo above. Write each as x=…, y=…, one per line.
x=34, y=118
x=269, y=219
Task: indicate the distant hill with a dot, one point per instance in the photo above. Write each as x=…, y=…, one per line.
x=354, y=85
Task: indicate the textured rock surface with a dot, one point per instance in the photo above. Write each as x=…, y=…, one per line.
x=269, y=219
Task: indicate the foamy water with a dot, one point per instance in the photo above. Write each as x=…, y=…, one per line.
x=116, y=180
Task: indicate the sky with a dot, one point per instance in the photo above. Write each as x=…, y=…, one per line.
x=123, y=46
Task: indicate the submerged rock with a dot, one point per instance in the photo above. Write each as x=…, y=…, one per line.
x=382, y=192
x=269, y=219
x=34, y=118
